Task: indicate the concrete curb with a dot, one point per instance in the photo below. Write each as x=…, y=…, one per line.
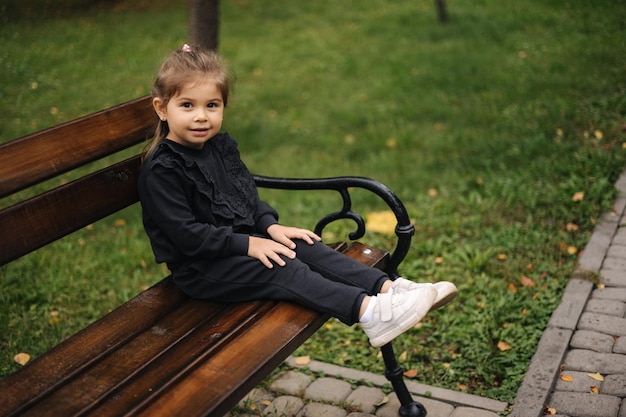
x=545, y=365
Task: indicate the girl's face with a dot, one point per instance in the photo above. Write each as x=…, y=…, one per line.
x=194, y=115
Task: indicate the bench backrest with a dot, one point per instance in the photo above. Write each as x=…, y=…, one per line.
x=32, y=159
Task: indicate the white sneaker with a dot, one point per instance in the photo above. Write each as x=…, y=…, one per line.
x=446, y=291
x=396, y=313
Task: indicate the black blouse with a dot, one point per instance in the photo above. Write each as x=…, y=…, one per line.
x=200, y=204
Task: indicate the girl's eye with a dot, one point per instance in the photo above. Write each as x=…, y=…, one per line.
x=212, y=105
x=187, y=105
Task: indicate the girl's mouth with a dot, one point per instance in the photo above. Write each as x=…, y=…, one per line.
x=199, y=132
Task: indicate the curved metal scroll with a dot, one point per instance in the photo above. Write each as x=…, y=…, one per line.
x=404, y=229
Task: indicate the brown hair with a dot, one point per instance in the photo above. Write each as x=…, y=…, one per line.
x=182, y=66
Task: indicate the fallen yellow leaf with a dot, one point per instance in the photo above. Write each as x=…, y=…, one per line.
x=578, y=196
x=572, y=250
x=503, y=346
x=381, y=222
x=567, y=378
x=403, y=356
x=22, y=358
x=119, y=223
x=594, y=389
x=598, y=134
x=502, y=256
x=433, y=193
x=439, y=260
x=571, y=227
x=550, y=411
x=596, y=376
x=527, y=282
x=303, y=360
x=411, y=373
x=384, y=401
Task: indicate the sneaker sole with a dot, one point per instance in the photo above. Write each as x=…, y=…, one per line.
x=450, y=292
x=408, y=322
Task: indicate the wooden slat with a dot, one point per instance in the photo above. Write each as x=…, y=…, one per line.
x=198, y=346
x=51, y=152
x=214, y=387
x=87, y=347
x=166, y=348
x=40, y=220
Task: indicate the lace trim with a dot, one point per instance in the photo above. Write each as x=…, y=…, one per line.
x=234, y=202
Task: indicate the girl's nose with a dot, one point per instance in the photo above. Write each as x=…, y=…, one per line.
x=200, y=116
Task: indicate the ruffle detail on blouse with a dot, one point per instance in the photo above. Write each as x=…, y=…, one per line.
x=235, y=201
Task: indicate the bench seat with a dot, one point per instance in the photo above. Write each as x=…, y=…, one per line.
x=164, y=354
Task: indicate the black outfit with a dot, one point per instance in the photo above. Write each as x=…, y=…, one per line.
x=199, y=209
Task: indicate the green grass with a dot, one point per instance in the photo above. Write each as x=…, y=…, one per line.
x=485, y=126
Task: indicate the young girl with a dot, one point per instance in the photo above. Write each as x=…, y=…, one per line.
x=204, y=218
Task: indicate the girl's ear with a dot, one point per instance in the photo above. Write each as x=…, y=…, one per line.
x=159, y=108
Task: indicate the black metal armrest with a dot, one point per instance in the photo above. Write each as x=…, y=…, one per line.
x=404, y=229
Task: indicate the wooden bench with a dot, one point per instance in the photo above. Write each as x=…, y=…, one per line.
x=161, y=353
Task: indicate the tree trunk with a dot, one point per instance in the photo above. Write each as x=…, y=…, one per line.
x=204, y=19
x=441, y=11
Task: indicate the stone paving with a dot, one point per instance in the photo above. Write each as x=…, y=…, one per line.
x=344, y=392
x=579, y=369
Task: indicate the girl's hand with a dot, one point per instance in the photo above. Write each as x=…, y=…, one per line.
x=268, y=252
x=285, y=234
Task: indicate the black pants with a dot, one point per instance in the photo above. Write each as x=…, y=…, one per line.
x=319, y=278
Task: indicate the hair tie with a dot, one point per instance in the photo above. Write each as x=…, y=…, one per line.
x=186, y=48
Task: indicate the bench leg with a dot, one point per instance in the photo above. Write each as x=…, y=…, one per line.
x=394, y=373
